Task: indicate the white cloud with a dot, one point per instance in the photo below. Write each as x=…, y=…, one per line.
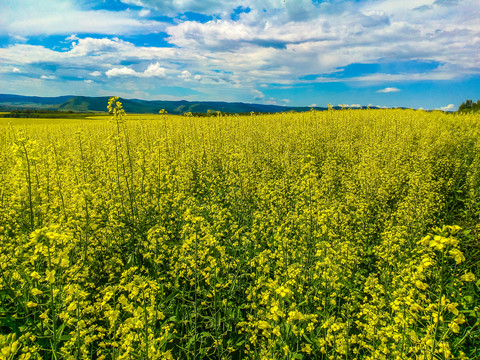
x=350, y=105
x=30, y=18
x=441, y=74
x=378, y=106
x=96, y=47
x=449, y=107
x=88, y=81
x=198, y=77
x=72, y=37
x=389, y=90
x=19, y=38
x=95, y=73
x=312, y=105
x=258, y=95
x=153, y=70
x=185, y=75
x=144, y=12
x=322, y=44
x=172, y=8
x=9, y=69
x=124, y=71
x=394, y=5
x=224, y=34
x=47, y=77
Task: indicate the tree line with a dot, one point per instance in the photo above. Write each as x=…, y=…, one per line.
x=469, y=106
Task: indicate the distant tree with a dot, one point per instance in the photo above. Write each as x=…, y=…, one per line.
x=469, y=106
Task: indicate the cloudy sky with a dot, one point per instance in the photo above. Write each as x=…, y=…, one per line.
x=414, y=53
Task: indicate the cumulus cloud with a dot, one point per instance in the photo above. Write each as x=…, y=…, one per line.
x=88, y=81
x=366, y=32
x=227, y=34
x=153, y=70
x=95, y=47
x=350, y=105
x=48, y=77
x=389, y=90
x=278, y=45
x=185, y=75
x=449, y=107
x=96, y=56
x=124, y=71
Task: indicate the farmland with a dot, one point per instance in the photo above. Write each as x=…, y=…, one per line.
x=340, y=234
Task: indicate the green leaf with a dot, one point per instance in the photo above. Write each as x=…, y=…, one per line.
x=240, y=343
x=307, y=338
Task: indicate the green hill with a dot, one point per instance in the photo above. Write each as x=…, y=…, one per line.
x=99, y=104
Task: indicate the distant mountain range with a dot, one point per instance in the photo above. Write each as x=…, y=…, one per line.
x=135, y=106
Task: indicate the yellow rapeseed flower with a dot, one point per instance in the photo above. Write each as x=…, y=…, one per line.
x=50, y=276
x=468, y=277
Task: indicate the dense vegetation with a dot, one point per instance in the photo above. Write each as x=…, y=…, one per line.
x=469, y=106
x=45, y=114
x=323, y=235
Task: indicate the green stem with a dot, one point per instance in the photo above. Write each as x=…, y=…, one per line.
x=29, y=182
x=52, y=305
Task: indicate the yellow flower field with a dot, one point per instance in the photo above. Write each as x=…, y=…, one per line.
x=349, y=234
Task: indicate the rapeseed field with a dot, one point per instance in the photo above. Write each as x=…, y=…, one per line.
x=348, y=234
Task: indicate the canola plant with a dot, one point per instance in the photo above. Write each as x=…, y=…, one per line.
x=350, y=234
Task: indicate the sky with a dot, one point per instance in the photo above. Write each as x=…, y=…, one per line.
x=409, y=53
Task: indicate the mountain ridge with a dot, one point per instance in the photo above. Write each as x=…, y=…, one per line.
x=73, y=103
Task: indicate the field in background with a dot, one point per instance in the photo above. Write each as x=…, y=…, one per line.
x=78, y=121
x=347, y=234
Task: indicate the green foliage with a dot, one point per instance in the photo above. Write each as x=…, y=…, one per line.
x=469, y=106
x=45, y=114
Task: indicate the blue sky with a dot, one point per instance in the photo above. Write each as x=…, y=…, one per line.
x=412, y=53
